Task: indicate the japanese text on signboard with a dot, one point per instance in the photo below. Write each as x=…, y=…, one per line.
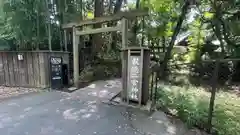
x=134, y=77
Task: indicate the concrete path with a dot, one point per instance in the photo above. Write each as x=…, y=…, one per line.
x=79, y=113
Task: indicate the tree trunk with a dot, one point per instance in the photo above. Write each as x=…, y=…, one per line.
x=117, y=8
x=174, y=36
x=163, y=44
x=135, y=27
x=81, y=9
x=110, y=6
x=46, y=19
x=49, y=26
x=217, y=31
x=37, y=45
x=97, y=38
x=217, y=25
x=60, y=20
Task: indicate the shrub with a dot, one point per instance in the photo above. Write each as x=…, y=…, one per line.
x=191, y=105
x=101, y=70
x=205, y=70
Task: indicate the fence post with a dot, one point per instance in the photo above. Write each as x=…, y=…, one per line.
x=213, y=95
x=156, y=87
x=75, y=57
x=152, y=81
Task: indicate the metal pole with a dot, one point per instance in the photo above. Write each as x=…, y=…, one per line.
x=213, y=95
x=141, y=72
x=156, y=86
x=151, y=93
x=128, y=76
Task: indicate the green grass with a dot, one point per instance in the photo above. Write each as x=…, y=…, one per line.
x=191, y=105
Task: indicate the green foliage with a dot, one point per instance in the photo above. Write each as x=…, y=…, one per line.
x=103, y=69
x=163, y=17
x=28, y=22
x=90, y=15
x=20, y=15
x=191, y=105
x=208, y=15
x=195, y=41
x=6, y=31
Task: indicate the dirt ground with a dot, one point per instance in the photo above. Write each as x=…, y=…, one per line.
x=8, y=92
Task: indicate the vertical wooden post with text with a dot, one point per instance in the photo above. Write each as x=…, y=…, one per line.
x=136, y=72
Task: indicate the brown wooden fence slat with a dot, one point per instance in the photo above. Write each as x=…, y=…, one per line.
x=10, y=67
x=2, y=76
x=16, y=70
x=5, y=66
x=41, y=69
x=47, y=69
x=30, y=69
x=36, y=70
x=34, y=61
x=25, y=70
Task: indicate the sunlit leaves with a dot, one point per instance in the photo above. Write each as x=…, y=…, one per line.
x=161, y=5
x=90, y=15
x=169, y=29
x=208, y=15
x=195, y=40
x=164, y=14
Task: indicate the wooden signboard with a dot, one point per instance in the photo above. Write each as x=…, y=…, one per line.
x=135, y=77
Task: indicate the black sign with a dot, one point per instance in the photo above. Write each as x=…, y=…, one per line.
x=56, y=72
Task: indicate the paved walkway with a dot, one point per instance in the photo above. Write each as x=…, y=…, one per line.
x=79, y=113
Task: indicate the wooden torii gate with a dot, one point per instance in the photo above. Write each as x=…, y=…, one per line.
x=123, y=28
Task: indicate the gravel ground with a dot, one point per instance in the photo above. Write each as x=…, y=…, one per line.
x=7, y=92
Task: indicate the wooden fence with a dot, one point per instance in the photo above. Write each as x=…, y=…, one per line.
x=32, y=71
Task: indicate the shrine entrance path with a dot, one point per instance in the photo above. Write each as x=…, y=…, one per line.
x=80, y=113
